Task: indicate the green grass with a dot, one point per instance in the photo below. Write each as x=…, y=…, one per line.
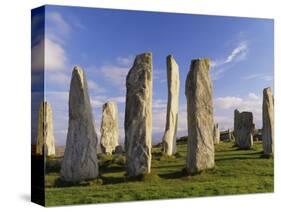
x=236, y=172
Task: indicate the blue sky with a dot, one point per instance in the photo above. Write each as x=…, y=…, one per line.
x=104, y=43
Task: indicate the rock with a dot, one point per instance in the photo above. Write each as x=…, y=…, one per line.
x=216, y=134
x=109, y=127
x=268, y=122
x=169, y=138
x=119, y=150
x=138, y=116
x=45, y=136
x=80, y=157
x=199, y=94
x=236, y=115
x=244, y=130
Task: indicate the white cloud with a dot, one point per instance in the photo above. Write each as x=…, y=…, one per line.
x=55, y=56
x=125, y=61
x=95, y=87
x=99, y=100
x=58, y=22
x=224, y=108
x=48, y=54
x=116, y=74
x=118, y=99
x=225, y=122
x=250, y=102
x=159, y=104
x=253, y=96
x=258, y=77
x=238, y=54
x=217, y=74
x=228, y=102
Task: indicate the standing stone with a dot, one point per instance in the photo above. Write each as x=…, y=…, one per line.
x=236, y=116
x=244, y=130
x=138, y=116
x=80, y=157
x=109, y=127
x=216, y=134
x=45, y=136
x=199, y=94
x=268, y=122
x=169, y=138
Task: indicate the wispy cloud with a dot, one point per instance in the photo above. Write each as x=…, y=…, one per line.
x=258, y=77
x=125, y=61
x=95, y=87
x=239, y=53
x=115, y=74
x=59, y=22
x=159, y=104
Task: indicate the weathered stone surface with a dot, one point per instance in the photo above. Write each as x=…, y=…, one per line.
x=199, y=94
x=244, y=130
x=45, y=137
x=169, y=138
x=80, y=157
x=109, y=127
x=268, y=122
x=138, y=117
x=216, y=134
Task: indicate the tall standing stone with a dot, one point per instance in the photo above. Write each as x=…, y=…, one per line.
x=138, y=116
x=80, y=157
x=109, y=127
x=216, y=134
x=236, y=120
x=244, y=130
x=45, y=136
x=199, y=94
x=268, y=122
x=169, y=138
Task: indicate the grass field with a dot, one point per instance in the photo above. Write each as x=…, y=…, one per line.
x=236, y=172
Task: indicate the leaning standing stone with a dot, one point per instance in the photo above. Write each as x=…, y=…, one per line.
x=268, y=122
x=244, y=130
x=199, y=94
x=138, y=117
x=80, y=157
x=169, y=138
x=45, y=137
x=109, y=127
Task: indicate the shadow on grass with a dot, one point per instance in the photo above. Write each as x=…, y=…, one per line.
x=172, y=175
x=91, y=182
x=236, y=152
x=111, y=169
x=236, y=158
x=113, y=180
